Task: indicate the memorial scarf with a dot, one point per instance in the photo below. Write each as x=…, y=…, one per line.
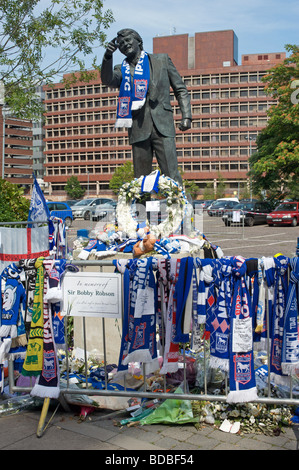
x=162, y=299
x=261, y=320
x=151, y=182
x=220, y=322
x=121, y=266
x=241, y=368
x=28, y=266
x=252, y=272
x=269, y=273
x=142, y=345
x=205, y=280
x=132, y=97
x=12, y=302
x=171, y=349
x=54, y=297
x=47, y=384
x=195, y=326
x=210, y=304
x=279, y=305
x=183, y=295
x=34, y=357
x=290, y=343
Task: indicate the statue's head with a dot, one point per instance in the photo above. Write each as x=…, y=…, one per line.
x=127, y=32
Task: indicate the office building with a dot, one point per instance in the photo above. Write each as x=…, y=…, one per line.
x=16, y=150
x=229, y=109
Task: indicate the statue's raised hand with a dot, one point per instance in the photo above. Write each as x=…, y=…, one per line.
x=111, y=48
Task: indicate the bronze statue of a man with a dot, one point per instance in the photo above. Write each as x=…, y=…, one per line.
x=144, y=105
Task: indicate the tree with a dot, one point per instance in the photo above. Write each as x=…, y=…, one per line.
x=123, y=174
x=73, y=188
x=220, y=188
x=40, y=39
x=275, y=165
x=14, y=206
x=209, y=191
x=190, y=188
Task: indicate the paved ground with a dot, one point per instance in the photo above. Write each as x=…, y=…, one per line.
x=98, y=432
x=256, y=241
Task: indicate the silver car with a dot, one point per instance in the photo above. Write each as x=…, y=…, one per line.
x=84, y=207
x=108, y=210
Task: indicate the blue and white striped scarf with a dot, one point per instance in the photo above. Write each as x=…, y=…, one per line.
x=241, y=368
x=132, y=97
x=141, y=334
x=205, y=287
x=183, y=288
x=279, y=305
x=290, y=344
x=220, y=322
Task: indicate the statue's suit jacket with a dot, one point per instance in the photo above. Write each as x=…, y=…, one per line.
x=157, y=108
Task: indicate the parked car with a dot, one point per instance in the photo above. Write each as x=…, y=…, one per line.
x=71, y=202
x=218, y=207
x=84, y=207
x=107, y=209
x=61, y=210
x=287, y=213
x=202, y=203
x=252, y=213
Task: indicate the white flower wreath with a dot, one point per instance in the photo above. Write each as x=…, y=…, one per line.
x=176, y=206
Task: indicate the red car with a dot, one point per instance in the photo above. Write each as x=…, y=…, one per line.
x=287, y=213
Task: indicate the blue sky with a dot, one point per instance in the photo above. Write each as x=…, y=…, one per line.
x=260, y=25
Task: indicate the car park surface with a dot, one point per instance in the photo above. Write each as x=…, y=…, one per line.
x=61, y=210
x=251, y=213
x=286, y=213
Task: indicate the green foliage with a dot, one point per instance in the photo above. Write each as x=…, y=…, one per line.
x=73, y=188
x=123, y=174
x=208, y=192
x=190, y=188
x=43, y=39
x=220, y=190
x=275, y=165
x=14, y=206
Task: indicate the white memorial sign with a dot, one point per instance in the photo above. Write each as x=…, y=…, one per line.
x=92, y=294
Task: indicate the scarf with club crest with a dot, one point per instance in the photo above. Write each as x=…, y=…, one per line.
x=290, y=343
x=219, y=322
x=132, y=97
x=241, y=368
x=141, y=345
x=29, y=269
x=278, y=317
x=47, y=384
x=183, y=295
x=34, y=356
x=121, y=267
x=12, y=306
x=205, y=287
